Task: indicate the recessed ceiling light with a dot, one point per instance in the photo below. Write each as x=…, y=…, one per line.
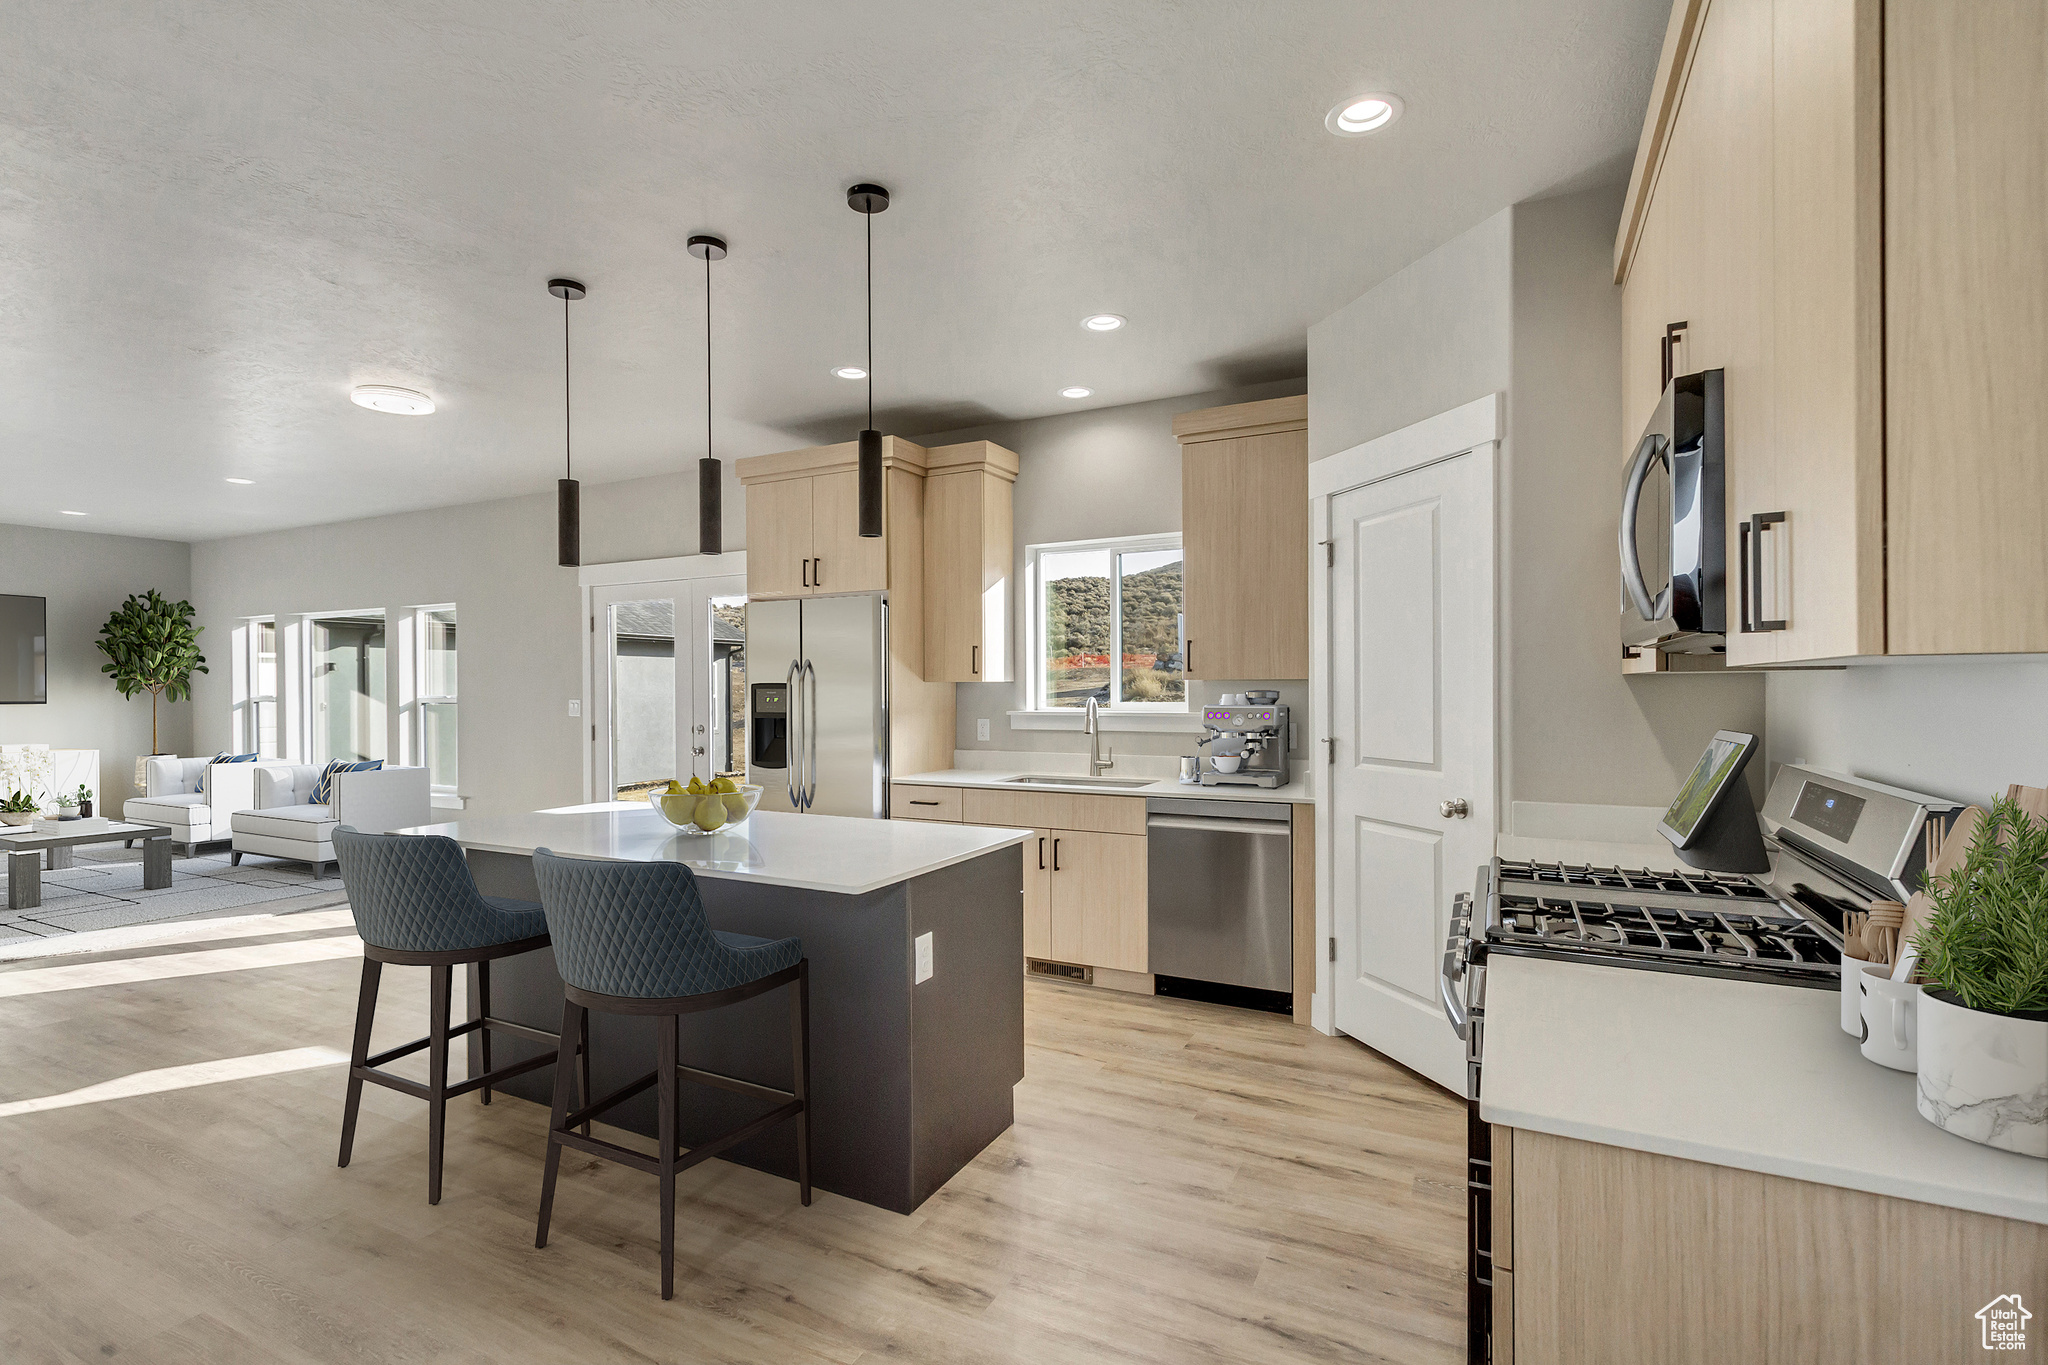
x=233, y=480
x=384, y=398
x=1077, y=392
x=1103, y=322
x=1362, y=114
x=65, y=513
x=850, y=372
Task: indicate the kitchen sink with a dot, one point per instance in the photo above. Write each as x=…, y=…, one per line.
x=1071, y=780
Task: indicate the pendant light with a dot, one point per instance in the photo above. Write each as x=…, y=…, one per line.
x=710, y=472
x=568, y=493
x=867, y=201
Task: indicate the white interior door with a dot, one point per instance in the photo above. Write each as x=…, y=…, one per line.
x=1411, y=659
x=668, y=665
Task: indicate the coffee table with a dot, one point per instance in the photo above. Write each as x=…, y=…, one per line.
x=27, y=851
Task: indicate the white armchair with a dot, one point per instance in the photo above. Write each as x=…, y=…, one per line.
x=174, y=794
x=286, y=823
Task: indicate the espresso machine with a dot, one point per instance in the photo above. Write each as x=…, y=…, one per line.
x=1247, y=742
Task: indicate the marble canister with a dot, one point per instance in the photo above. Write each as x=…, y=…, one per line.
x=1984, y=1076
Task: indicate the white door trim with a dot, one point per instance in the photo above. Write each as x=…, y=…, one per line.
x=1462, y=429
x=677, y=568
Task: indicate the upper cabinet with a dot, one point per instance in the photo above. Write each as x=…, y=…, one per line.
x=803, y=519
x=1841, y=203
x=1245, y=539
x=967, y=562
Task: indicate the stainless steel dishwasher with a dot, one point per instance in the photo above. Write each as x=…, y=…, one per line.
x=1220, y=903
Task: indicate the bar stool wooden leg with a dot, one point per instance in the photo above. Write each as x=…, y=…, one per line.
x=572, y=1015
x=437, y=1076
x=483, y=1011
x=800, y=1028
x=359, y=1055
x=665, y=1030
x=585, y=1094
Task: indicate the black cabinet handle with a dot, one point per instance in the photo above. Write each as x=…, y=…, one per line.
x=807, y=573
x=1055, y=855
x=924, y=803
x=1041, y=853
x=817, y=573
x=974, y=659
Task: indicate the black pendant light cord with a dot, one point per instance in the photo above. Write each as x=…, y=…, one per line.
x=869, y=218
x=707, y=355
x=568, y=469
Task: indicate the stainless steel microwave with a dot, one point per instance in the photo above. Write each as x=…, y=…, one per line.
x=1674, y=543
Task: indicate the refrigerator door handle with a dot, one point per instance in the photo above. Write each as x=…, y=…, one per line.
x=793, y=745
x=810, y=734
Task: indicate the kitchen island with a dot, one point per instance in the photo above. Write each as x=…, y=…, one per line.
x=914, y=932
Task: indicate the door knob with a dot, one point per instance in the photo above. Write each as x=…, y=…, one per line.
x=1457, y=808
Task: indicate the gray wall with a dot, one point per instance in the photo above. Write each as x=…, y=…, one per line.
x=1524, y=303
x=521, y=614
x=1960, y=728
x=85, y=577
x=1081, y=476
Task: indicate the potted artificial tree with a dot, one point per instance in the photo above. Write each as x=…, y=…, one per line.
x=152, y=646
x=1983, y=1016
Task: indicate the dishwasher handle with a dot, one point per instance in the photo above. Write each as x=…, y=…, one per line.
x=1206, y=825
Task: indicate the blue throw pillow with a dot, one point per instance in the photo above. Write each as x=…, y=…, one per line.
x=323, y=790
x=225, y=757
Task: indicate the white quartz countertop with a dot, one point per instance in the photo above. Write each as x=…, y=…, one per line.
x=1753, y=1075
x=812, y=852
x=1296, y=790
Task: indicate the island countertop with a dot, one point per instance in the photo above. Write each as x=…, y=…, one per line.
x=773, y=848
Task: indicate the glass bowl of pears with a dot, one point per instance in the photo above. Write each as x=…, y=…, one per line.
x=705, y=807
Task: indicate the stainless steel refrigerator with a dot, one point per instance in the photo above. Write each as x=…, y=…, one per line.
x=818, y=704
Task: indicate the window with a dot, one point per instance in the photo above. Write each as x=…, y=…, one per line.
x=434, y=715
x=347, y=687
x=259, y=715
x=1106, y=623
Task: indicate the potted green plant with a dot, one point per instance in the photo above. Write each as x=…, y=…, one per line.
x=85, y=801
x=152, y=646
x=1983, y=1017
x=67, y=805
x=18, y=809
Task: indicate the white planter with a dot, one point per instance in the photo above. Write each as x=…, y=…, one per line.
x=1984, y=1076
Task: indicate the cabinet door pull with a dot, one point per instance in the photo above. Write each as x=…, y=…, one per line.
x=1055, y=855
x=924, y=803
x=1187, y=659
x=1753, y=575
x=974, y=660
x=1041, y=853
x=807, y=573
x=817, y=573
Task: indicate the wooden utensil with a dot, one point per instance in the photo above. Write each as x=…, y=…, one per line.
x=1883, y=926
x=1955, y=846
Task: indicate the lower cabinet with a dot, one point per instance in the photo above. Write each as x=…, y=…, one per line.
x=1612, y=1254
x=1084, y=869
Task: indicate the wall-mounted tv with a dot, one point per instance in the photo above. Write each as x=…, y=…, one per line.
x=24, y=649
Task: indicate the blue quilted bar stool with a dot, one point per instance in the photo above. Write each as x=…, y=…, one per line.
x=416, y=905
x=631, y=938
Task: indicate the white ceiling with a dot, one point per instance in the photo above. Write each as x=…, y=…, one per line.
x=218, y=217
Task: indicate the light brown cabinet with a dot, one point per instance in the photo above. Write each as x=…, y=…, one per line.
x=1099, y=899
x=1245, y=539
x=1842, y=202
x=967, y=562
x=803, y=520
x=1616, y=1255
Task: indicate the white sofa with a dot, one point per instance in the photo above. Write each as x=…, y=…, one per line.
x=193, y=796
x=286, y=824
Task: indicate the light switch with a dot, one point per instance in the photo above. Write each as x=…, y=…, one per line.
x=924, y=958
x=575, y=708
x=981, y=728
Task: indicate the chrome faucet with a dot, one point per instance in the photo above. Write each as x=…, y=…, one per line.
x=1098, y=764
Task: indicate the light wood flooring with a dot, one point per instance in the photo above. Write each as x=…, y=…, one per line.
x=1183, y=1183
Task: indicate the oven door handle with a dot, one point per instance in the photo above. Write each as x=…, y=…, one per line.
x=1453, y=970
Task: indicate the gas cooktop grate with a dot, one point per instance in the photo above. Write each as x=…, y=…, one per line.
x=1720, y=885
x=1708, y=934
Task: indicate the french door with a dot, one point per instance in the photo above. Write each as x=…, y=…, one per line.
x=668, y=684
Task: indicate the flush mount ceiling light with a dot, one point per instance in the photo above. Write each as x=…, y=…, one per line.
x=235, y=480
x=385, y=398
x=710, y=473
x=1362, y=114
x=849, y=372
x=1077, y=392
x=867, y=201
x=65, y=513
x=1103, y=322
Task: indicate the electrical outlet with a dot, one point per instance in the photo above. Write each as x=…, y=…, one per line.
x=924, y=958
x=575, y=708
x=981, y=728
